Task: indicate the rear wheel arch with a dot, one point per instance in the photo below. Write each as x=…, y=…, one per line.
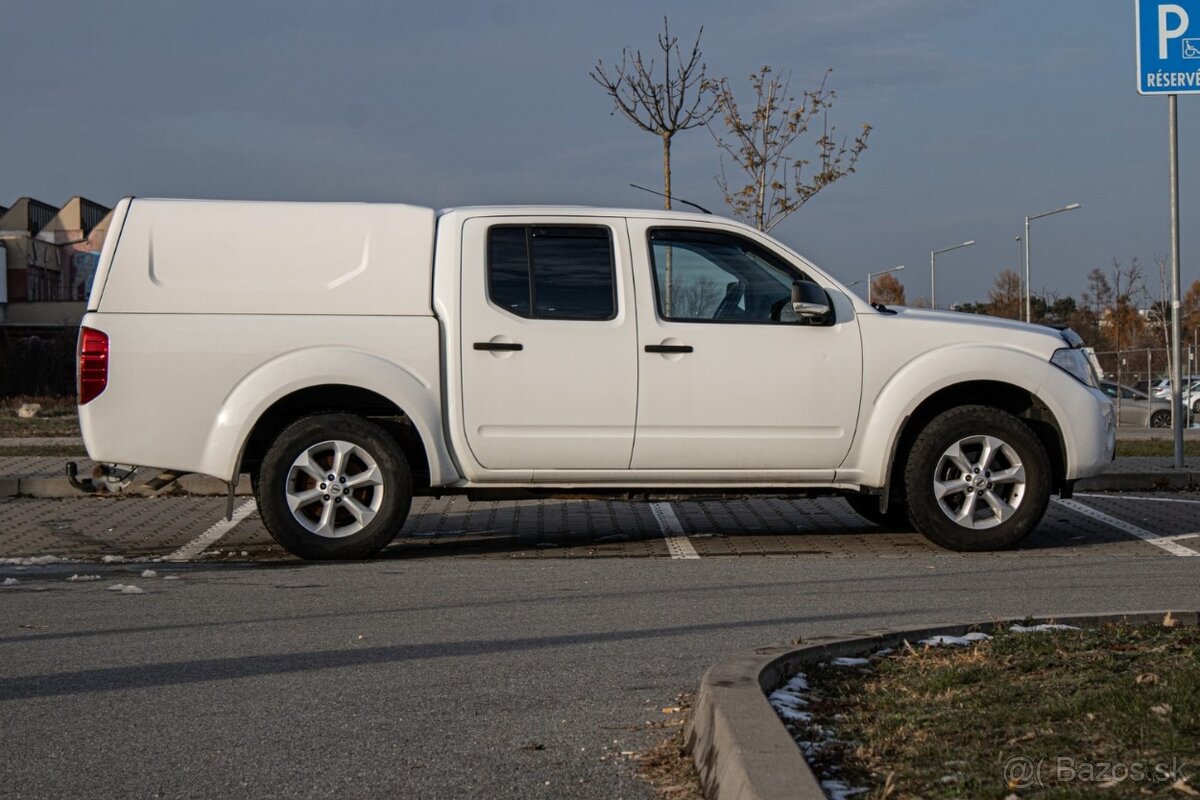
x=337, y=398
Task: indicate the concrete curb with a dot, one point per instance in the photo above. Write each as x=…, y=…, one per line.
x=740, y=747
x=1139, y=481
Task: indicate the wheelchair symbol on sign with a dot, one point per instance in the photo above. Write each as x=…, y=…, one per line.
x=1191, y=48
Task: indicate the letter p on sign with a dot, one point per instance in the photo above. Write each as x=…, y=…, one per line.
x=1166, y=33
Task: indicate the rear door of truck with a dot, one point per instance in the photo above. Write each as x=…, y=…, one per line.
x=548, y=342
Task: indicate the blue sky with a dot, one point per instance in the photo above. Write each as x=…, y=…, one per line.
x=983, y=112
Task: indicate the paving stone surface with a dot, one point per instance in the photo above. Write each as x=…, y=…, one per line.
x=90, y=528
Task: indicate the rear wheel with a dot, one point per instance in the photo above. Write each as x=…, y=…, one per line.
x=977, y=479
x=1160, y=419
x=334, y=486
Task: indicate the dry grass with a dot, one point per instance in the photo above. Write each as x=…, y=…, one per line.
x=57, y=417
x=944, y=722
x=666, y=765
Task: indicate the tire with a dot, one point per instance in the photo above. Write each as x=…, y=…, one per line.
x=867, y=507
x=354, y=516
x=1160, y=419
x=1005, y=465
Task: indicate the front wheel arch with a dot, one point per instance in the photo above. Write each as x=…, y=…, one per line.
x=1006, y=397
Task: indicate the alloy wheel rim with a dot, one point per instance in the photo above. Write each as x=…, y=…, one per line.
x=979, y=482
x=334, y=489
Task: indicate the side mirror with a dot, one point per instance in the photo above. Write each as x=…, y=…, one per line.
x=809, y=300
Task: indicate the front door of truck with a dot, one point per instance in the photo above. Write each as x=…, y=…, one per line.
x=549, y=343
x=730, y=379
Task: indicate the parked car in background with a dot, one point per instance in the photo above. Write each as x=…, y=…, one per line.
x=1137, y=409
x=1191, y=392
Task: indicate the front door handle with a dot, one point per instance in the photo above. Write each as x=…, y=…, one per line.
x=499, y=346
x=668, y=348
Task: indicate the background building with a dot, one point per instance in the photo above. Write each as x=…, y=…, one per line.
x=48, y=255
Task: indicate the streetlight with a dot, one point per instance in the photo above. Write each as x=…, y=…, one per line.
x=1020, y=260
x=1028, y=287
x=871, y=275
x=933, y=254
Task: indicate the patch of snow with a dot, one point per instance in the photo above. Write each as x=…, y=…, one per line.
x=32, y=561
x=798, y=683
x=149, y=573
x=78, y=577
x=789, y=699
x=782, y=697
x=792, y=715
x=131, y=589
x=887, y=651
x=955, y=641
x=116, y=587
x=836, y=790
x=10, y=582
x=170, y=577
x=1043, y=628
x=843, y=661
x=113, y=559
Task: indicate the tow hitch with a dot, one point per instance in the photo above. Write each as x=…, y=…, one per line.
x=110, y=478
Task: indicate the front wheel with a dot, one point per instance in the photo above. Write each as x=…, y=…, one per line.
x=334, y=486
x=977, y=479
x=1160, y=419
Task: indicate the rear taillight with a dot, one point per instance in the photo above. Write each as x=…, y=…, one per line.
x=93, y=364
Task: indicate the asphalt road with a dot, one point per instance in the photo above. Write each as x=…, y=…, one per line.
x=454, y=669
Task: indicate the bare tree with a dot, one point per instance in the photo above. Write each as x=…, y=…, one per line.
x=1160, y=308
x=759, y=144
x=1004, y=299
x=1128, y=291
x=682, y=98
x=886, y=289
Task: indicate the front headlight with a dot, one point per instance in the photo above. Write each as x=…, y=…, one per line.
x=1076, y=362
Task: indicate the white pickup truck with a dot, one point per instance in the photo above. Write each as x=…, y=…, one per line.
x=351, y=356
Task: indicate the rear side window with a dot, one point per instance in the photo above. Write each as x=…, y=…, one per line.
x=552, y=271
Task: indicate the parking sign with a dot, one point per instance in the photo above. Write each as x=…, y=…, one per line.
x=1168, y=46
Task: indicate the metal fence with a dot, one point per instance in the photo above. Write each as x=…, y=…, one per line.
x=1133, y=367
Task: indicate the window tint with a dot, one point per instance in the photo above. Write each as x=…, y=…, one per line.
x=709, y=276
x=552, y=271
x=508, y=269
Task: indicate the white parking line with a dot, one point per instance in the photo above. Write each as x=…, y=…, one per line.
x=677, y=542
x=196, y=546
x=1166, y=543
x=1179, y=537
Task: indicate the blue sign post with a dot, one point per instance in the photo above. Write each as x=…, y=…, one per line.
x=1168, y=46
x=1168, y=62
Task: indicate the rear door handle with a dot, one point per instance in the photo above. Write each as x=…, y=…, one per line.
x=499, y=346
x=668, y=348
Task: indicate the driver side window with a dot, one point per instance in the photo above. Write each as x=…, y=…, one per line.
x=708, y=276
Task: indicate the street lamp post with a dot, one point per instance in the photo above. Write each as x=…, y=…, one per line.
x=1020, y=259
x=933, y=254
x=1028, y=286
x=872, y=275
